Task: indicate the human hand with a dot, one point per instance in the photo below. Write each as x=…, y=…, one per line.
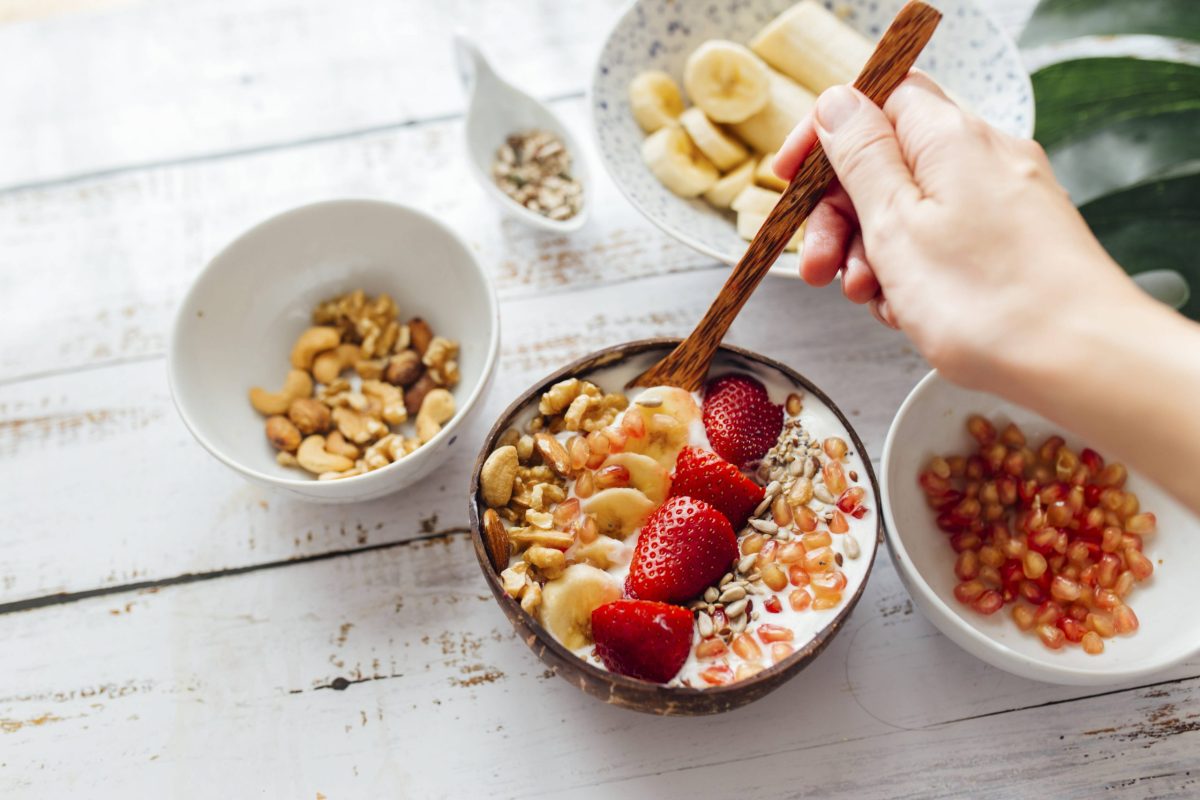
x=954, y=232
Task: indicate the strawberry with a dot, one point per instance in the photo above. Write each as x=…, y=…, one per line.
x=642, y=638
x=741, y=421
x=708, y=477
x=683, y=548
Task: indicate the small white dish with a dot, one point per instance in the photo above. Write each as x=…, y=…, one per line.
x=932, y=421
x=497, y=109
x=968, y=54
x=237, y=323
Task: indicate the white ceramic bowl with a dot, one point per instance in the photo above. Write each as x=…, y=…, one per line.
x=968, y=54
x=237, y=324
x=931, y=421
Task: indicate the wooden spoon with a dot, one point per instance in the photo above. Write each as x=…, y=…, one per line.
x=687, y=365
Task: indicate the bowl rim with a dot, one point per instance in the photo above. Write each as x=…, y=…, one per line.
x=773, y=675
x=307, y=484
x=779, y=268
x=949, y=622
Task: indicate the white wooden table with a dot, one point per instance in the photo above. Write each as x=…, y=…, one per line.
x=169, y=630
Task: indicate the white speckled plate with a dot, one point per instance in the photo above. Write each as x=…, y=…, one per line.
x=969, y=55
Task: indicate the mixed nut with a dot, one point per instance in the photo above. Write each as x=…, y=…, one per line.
x=534, y=169
x=339, y=426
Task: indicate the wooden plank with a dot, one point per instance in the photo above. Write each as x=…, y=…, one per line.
x=394, y=674
x=158, y=81
x=107, y=291
x=144, y=502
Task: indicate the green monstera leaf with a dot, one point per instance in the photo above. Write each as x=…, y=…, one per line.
x=1054, y=20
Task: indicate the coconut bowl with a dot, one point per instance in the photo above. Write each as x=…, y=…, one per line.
x=631, y=693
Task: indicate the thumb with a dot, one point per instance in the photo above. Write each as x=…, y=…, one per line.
x=862, y=147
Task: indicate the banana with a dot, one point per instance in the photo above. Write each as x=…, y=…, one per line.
x=721, y=149
x=674, y=160
x=667, y=414
x=786, y=106
x=748, y=223
x=764, y=175
x=619, y=511
x=755, y=200
x=569, y=600
x=811, y=45
x=721, y=193
x=602, y=552
x=655, y=100
x=726, y=80
x=645, y=474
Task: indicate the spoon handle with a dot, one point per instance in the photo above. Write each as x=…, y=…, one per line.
x=894, y=56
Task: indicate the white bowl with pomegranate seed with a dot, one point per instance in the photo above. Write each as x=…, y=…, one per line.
x=933, y=422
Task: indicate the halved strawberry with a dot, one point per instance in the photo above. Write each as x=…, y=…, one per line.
x=741, y=421
x=708, y=477
x=684, y=546
x=642, y=638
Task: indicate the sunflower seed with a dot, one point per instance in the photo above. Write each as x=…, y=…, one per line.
x=705, y=623
x=773, y=488
x=784, y=535
x=761, y=508
x=738, y=625
x=795, y=467
x=810, y=467
x=711, y=594
x=777, y=474
x=747, y=562
x=754, y=615
x=726, y=578
x=733, y=592
x=764, y=525
x=822, y=494
x=753, y=576
x=696, y=605
x=649, y=402
x=852, y=550
x=736, y=608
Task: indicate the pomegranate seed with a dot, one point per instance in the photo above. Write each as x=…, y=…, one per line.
x=804, y=518
x=1065, y=464
x=1023, y=615
x=1114, y=475
x=717, y=675
x=940, y=467
x=612, y=477
x=933, y=484
x=1006, y=489
x=1032, y=591
x=1088, y=578
x=585, y=484
x=1124, y=583
x=967, y=565
x=1051, y=636
x=834, y=447
x=774, y=577
x=975, y=469
x=791, y=553
x=1130, y=507
x=1014, y=464
x=828, y=583
x=1014, y=548
x=780, y=651
x=617, y=438
x=565, y=513
x=981, y=429
x=991, y=556
x=993, y=456
x=746, y=671
x=989, y=602
x=1071, y=629
x=781, y=512
x=1012, y=436
x=1054, y=493
x=766, y=553
x=1106, y=599
x=1033, y=564
x=745, y=647
x=1093, y=645
x=1110, y=539
x=1064, y=589
x=835, y=477
x=753, y=543
x=1092, y=494
x=964, y=541
x=1141, y=524
x=797, y=576
x=633, y=426
x=838, y=523
x=1077, y=552
x=1124, y=620
x=579, y=452
x=1048, y=613
x=720, y=621
x=1101, y=623
x=824, y=603
x=1092, y=460
x=958, y=466
x=1048, y=451
x=768, y=633
x=851, y=499
x=968, y=591
x=772, y=604
x=799, y=599
x=813, y=541
x=1131, y=540
x=1111, y=499
x=1139, y=565
x=1058, y=514
x=859, y=512
x=1078, y=612
x=711, y=648
x=1107, y=569
x=586, y=529
x=598, y=443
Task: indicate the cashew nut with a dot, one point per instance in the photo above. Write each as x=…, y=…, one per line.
x=285, y=459
x=296, y=384
x=370, y=369
x=337, y=444
x=311, y=342
x=309, y=416
x=313, y=456
x=390, y=398
x=358, y=469
x=356, y=426
x=436, y=409
x=327, y=366
x=282, y=434
x=497, y=476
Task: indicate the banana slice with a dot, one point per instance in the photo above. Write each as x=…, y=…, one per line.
x=602, y=552
x=722, y=193
x=748, y=223
x=722, y=150
x=620, y=511
x=666, y=414
x=726, y=80
x=811, y=45
x=655, y=100
x=786, y=106
x=569, y=600
x=764, y=174
x=756, y=200
x=645, y=474
x=674, y=160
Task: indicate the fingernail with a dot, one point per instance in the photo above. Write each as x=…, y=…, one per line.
x=835, y=106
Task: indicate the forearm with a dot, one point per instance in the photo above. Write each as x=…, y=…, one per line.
x=1124, y=376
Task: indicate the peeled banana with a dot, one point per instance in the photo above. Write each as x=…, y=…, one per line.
x=619, y=511
x=786, y=106
x=655, y=100
x=569, y=600
x=726, y=80
x=645, y=474
x=722, y=193
x=674, y=159
x=748, y=223
x=811, y=45
x=764, y=174
x=756, y=199
x=722, y=150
